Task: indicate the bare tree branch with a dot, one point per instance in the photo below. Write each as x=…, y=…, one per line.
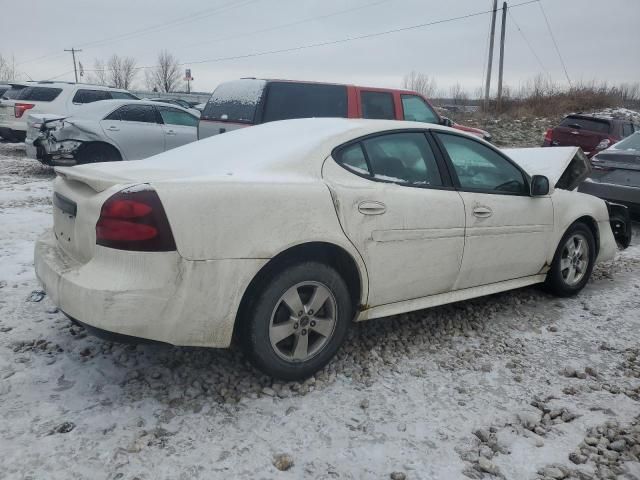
x=165, y=76
x=421, y=83
x=121, y=71
x=8, y=70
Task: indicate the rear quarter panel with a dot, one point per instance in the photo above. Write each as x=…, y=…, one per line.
x=249, y=219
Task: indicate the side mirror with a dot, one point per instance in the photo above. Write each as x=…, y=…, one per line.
x=447, y=122
x=539, y=186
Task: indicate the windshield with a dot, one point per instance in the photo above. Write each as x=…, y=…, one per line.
x=235, y=101
x=632, y=142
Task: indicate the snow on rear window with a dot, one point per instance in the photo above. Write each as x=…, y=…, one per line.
x=588, y=124
x=235, y=101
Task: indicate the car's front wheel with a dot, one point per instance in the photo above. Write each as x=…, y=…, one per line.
x=298, y=321
x=573, y=261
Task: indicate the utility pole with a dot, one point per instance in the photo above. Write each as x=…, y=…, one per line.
x=73, y=54
x=493, y=33
x=504, y=24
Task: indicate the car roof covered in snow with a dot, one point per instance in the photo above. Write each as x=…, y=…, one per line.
x=287, y=148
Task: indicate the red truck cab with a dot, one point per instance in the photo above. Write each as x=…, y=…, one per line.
x=251, y=101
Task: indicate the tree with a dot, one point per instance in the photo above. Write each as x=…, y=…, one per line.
x=165, y=76
x=8, y=70
x=458, y=95
x=121, y=71
x=421, y=83
x=99, y=74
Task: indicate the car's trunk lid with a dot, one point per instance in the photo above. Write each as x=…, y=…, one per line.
x=565, y=167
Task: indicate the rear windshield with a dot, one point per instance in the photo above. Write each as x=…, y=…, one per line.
x=3, y=89
x=632, y=142
x=38, y=94
x=287, y=100
x=235, y=101
x=12, y=93
x=592, y=125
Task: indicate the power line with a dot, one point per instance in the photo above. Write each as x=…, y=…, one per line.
x=336, y=42
x=513, y=18
x=555, y=43
x=154, y=28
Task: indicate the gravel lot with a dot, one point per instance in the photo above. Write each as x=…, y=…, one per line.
x=519, y=385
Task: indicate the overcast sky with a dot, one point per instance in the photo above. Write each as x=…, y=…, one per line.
x=598, y=39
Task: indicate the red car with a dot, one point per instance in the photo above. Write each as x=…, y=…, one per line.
x=251, y=101
x=592, y=133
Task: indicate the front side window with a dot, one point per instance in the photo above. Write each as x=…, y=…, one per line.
x=123, y=96
x=286, y=100
x=479, y=168
x=90, y=96
x=417, y=110
x=173, y=116
x=377, y=105
x=134, y=113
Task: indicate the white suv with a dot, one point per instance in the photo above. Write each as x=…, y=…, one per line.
x=61, y=98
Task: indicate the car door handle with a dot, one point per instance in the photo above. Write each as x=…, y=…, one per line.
x=113, y=128
x=372, y=208
x=171, y=132
x=482, y=212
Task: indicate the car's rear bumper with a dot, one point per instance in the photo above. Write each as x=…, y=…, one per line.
x=150, y=295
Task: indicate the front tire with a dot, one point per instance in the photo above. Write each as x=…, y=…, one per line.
x=298, y=321
x=573, y=261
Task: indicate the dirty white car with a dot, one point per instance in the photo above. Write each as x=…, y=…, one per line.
x=284, y=233
x=109, y=130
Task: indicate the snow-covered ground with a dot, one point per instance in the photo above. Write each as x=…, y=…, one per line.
x=520, y=385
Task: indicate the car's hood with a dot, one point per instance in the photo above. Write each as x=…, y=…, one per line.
x=565, y=167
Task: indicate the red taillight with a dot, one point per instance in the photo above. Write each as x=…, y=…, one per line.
x=548, y=136
x=20, y=108
x=135, y=220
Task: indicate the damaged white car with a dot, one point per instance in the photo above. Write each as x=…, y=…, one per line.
x=284, y=233
x=109, y=130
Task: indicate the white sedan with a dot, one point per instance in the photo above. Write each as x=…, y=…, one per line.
x=109, y=130
x=283, y=234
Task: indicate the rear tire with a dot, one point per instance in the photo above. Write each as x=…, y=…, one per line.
x=573, y=261
x=97, y=153
x=297, y=321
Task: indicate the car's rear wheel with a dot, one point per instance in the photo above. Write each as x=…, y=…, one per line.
x=298, y=321
x=97, y=153
x=573, y=261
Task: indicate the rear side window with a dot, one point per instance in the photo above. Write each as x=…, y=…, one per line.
x=235, y=101
x=287, y=100
x=377, y=105
x=591, y=125
x=90, y=96
x=135, y=113
x=39, y=94
x=173, y=116
x=2, y=90
x=352, y=157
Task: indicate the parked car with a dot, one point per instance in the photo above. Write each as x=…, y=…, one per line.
x=180, y=103
x=251, y=101
x=616, y=174
x=109, y=130
x=592, y=133
x=60, y=98
x=365, y=219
